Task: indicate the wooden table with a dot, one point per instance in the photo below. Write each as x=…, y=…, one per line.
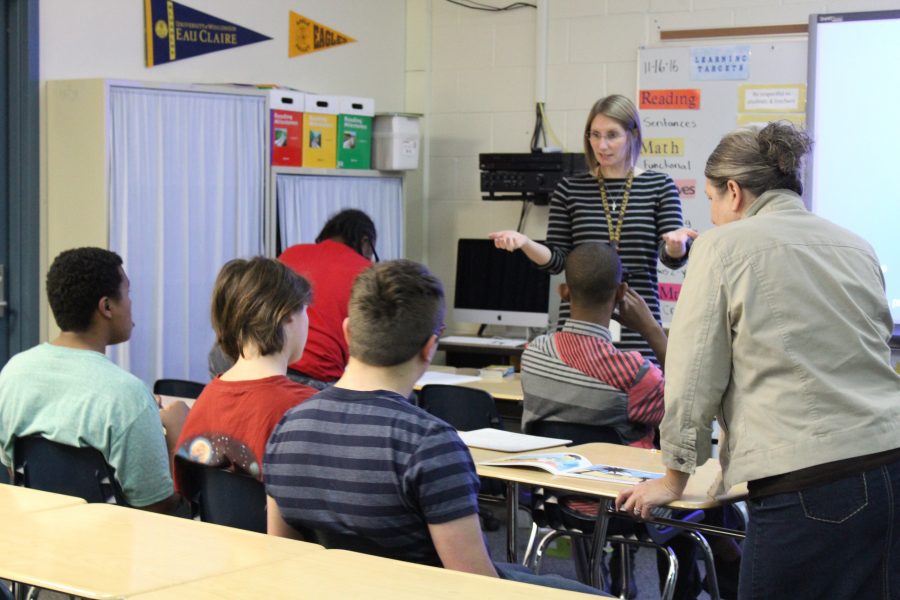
x=343, y=574
x=15, y=500
x=108, y=551
x=507, y=388
x=696, y=494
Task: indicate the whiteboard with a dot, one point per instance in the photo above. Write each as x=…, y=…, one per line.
x=690, y=96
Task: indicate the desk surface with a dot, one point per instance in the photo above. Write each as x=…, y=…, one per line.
x=15, y=500
x=695, y=494
x=342, y=574
x=508, y=388
x=107, y=551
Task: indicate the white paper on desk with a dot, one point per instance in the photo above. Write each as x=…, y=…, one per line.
x=445, y=378
x=507, y=441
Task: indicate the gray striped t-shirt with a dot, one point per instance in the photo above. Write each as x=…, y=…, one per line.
x=372, y=465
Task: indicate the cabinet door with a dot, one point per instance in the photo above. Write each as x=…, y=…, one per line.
x=186, y=191
x=306, y=202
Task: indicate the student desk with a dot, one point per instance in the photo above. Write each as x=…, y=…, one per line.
x=343, y=574
x=15, y=500
x=695, y=494
x=482, y=354
x=107, y=551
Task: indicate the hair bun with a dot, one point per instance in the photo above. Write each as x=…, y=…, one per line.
x=784, y=146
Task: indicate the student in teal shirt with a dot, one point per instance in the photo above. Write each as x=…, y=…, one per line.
x=68, y=391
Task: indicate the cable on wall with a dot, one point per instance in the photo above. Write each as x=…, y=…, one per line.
x=471, y=4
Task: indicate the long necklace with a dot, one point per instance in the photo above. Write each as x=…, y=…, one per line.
x=615, y=235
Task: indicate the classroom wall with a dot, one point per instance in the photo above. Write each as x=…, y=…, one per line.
x=482, y=73
x=105, y=39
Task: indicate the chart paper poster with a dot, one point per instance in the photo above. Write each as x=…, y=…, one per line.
x=175, y=32
x=306, y=36
x=720, y=62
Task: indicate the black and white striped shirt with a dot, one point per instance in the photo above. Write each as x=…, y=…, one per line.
x=654, y=208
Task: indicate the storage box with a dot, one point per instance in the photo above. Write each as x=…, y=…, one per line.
x=286, y=121
x=396, y=142
x=355, y=133
x=320, y=131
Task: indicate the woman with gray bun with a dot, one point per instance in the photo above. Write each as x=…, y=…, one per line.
x=781, y=333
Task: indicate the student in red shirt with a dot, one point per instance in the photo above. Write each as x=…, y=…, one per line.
x=343, y=249
x=259, y=314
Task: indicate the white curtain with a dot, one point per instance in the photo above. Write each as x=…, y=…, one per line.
x=186, y=173
x=306, y=202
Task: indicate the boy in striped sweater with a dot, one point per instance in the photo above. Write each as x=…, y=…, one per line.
x=576, y=375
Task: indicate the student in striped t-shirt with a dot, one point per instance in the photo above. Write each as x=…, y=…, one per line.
x=359, y=460
x=637, y=211
x=576, y=375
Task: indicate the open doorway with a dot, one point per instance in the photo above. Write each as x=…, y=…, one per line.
x=19, y=177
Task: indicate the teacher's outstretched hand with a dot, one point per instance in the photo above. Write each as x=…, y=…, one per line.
x=677, y=241
x=511, y=241
x=508, y=239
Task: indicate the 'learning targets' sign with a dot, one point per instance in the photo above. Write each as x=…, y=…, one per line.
x=720, y=62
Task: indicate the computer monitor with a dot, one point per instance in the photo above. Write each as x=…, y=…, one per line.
x=496, y=287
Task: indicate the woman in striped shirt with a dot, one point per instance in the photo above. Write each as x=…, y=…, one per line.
x=637, y=211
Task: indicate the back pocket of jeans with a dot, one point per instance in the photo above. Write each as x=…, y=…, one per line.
x=837, y=501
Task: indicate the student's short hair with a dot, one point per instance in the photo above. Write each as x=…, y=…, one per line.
x=593, y=272
x=77, y=280
x=251, y=301
x=395, y=306
x=352, y=226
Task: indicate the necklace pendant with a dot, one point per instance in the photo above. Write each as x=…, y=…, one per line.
x=614, y=206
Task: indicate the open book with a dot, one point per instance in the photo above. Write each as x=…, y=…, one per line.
x=575, y=465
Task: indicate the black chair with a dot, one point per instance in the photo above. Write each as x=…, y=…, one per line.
x=579, y=434
x=178, y=387
x=466, y=409
x=83, y=472
x=336, y=541
x=463, y=408
x=221, y=496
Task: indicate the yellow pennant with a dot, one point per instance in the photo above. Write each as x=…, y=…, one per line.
x=308, y=36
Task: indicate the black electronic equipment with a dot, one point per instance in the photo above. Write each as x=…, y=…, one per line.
x=526, y=176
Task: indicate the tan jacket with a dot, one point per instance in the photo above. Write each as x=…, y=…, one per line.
x=781, y=330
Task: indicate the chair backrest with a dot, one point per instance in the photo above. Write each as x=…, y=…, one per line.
x=178, y=387
x=222, y=496
x=577, y=432
x=463, y=408
x=83, y=472
x=337, y=541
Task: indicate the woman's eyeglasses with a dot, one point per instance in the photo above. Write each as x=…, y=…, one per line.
x=597, y=137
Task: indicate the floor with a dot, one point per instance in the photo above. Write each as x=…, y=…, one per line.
x=645, y=574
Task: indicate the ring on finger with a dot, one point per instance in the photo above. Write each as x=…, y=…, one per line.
x=637, y=510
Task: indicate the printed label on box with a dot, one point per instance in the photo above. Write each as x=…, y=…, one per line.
x=355, y=142
x=287, y=138
x=319, y=140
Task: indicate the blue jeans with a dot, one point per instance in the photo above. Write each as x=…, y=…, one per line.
x=838, y=541
x=525, y=575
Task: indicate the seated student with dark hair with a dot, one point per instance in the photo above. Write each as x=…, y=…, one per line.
x=344, y=247
x=259, y=316
x=359, y=460
x=69, y=392
x=577, y=375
